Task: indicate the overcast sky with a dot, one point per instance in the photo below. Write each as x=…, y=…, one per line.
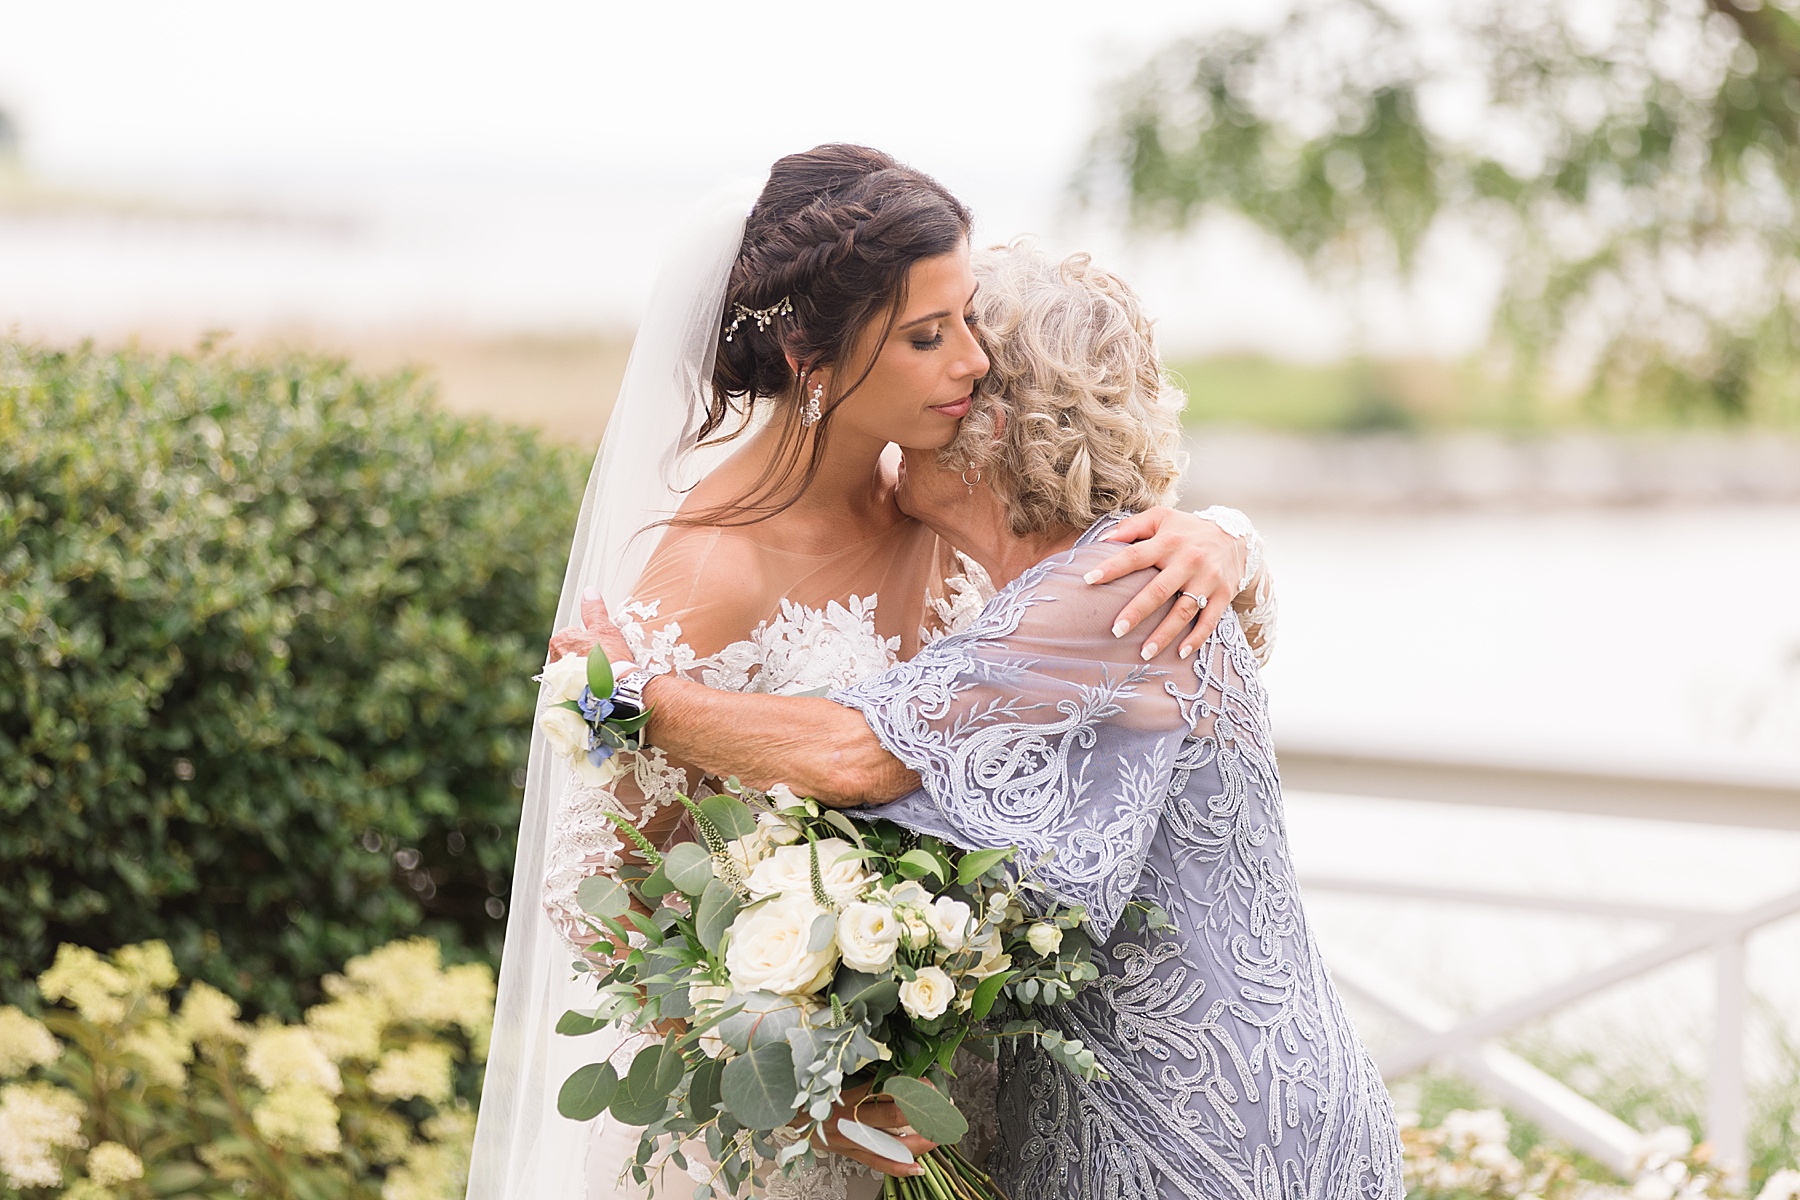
x=370, y=103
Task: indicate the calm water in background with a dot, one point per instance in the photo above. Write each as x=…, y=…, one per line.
x=1633, y=636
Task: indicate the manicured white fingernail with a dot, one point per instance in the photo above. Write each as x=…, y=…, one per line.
x=1119, y=628
x=1091, y=577
x=592, y=593
x=1149, y=651
x=1186, y=650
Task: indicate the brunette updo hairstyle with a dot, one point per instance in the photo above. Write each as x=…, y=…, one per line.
x=834, y=232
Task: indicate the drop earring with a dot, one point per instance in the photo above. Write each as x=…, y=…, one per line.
x=810, y=416
x=967, y=482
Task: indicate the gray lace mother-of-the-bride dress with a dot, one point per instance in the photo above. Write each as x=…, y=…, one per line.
x=1234, y=1071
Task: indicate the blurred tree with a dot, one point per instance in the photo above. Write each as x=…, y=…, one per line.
x=1635, y=162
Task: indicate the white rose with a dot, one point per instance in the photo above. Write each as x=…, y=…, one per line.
x=598, y=774
x=789, y=870
x=1045, y=939
x=950, y=922
x=566, y=731
x=564, y=679
x=768, y=950
x=867, y=935
x=777, y=829
x=928, y=994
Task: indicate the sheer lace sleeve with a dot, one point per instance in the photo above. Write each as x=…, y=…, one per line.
x=1036, y=727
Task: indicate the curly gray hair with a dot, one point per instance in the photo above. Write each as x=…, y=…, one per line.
x=1076, y=417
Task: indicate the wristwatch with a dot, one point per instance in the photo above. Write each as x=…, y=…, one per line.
x=628, y=692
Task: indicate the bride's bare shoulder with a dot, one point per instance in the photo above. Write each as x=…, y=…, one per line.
x=715, y=582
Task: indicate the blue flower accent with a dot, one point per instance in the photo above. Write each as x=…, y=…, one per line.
x=599, y=754
x=593, y=708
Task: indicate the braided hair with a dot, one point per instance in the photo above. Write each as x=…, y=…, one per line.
x=834, y=232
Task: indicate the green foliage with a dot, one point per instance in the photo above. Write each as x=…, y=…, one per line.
x=1638, y=175
x=266, y=637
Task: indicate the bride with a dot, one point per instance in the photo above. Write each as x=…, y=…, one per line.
x=742, y=523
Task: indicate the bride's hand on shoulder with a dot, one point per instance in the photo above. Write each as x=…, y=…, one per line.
x=596, y=629
x=1195, y=557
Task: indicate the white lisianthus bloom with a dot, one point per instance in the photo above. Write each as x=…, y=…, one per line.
x=750, y=849
x=782, y=796
x=788, y=869
x=912, y=905
x=928, y=994
x=1046, y=939
x=949, y=922
x=777, y=828
x=565, y=679
x=768, y=950
x=866, y=936
x=566, y=731
x=991, y=961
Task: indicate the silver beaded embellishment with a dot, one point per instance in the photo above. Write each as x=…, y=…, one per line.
x=762, y=316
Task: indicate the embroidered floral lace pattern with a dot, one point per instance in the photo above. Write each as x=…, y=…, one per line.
x=1234, y=1070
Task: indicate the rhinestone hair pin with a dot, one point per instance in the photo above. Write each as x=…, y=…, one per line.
x=762, y=316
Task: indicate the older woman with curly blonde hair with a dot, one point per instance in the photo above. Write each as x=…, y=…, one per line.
x=1145, y=785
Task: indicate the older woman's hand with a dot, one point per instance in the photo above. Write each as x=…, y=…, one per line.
x=1197, y=559
x=596, y=629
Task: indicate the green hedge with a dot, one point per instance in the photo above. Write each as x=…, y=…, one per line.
x=266, y=633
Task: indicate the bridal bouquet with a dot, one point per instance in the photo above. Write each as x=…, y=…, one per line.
x=794, y=959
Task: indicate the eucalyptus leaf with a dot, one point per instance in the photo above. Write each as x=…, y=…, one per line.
x=588, y=1091
x=718, y=907
x=689, y=867
x=879, y=992
x=875, y=1141
x=703, y=1089
x=602, y=896
x=731, y=815
x=824, y=928
x=657, y=886
x=759, y=1087
x=764, y=1019
x=927, y=1110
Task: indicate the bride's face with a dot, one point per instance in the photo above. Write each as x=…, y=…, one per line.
x=923, y=376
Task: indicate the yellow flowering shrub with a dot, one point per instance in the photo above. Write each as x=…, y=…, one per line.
x=116, y=1092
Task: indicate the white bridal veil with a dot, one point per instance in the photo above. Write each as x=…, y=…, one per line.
x=524, y=1149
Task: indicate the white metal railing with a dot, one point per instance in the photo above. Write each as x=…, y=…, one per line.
x=1471, y=1045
